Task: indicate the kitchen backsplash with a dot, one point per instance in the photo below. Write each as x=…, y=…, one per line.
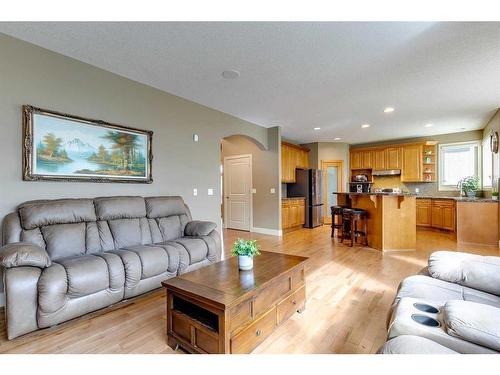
x=425, y=188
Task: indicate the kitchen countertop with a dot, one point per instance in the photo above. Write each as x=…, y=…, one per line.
x=459, y=199
x=385, y=194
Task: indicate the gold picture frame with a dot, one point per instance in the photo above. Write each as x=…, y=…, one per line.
x=62, y=147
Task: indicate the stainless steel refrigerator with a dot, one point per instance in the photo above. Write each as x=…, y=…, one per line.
x=309, y=184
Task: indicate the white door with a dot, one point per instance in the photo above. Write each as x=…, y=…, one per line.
x=237, y=191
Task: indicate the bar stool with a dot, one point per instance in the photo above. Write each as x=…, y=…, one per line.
x=355, y=225
x=337, y=213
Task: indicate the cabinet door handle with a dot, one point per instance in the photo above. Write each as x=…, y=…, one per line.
x=294, y=302
x=258, y=332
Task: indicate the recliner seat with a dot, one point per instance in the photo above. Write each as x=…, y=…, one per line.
x=65, y=258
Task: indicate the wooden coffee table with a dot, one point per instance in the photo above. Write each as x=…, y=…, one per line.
x=219, y=309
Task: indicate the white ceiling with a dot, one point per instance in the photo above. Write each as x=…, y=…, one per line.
x=334, y=75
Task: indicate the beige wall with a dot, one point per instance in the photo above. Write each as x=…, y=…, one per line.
x=329, y=151
x=494, y=124
x=33, y=75
x=265, y=175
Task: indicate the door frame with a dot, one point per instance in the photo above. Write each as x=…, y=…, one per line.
x=224, y=189
x=340, y=184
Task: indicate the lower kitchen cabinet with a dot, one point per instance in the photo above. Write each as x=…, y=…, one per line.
x=293, y=213
x=436, y=213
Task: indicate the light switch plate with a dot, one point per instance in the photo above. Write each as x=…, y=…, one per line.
x=195, y=192
x=254, y=191
x=273, y=191
x=195, y=137
x=210, y=191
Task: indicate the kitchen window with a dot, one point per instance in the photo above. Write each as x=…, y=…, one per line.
x=458, y=160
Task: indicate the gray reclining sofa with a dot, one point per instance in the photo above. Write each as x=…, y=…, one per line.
x=64, y=258
x=453, y=306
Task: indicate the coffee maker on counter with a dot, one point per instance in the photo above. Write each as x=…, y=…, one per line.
x=360, y=183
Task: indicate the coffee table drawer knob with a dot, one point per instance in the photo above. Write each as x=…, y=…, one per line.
x=258, y=332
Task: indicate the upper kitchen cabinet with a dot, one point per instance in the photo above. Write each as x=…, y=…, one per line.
x=379, y=159
x=416, y=161
x=412, y=163
x=292, y=157
x=361, y=159
x=393, y=158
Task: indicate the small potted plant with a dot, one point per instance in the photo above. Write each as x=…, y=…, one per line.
x=470, y=185
x=245, y=250
x=494, y=195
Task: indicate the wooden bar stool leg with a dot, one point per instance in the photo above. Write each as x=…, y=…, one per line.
x=353, y=231
x=365, y=230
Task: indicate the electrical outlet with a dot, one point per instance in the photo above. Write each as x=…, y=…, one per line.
x=195, y=192
x=210, y=191
x=273, y=191
x=254, y=191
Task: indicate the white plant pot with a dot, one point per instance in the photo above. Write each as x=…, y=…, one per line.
x=471, y=194
x=245, y=262
x=494, y=197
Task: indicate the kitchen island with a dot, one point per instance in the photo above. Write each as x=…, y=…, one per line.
x=391, y=218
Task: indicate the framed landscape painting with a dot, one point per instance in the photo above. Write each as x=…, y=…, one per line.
x=63, y=147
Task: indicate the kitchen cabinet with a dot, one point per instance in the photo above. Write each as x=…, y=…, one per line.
x=379, y=159
x=393, y=158
x=366, y=160
x=292, y=157
x=436, y=213
x=424, y=215
x=356, y=159
x=292, y=213
x=411, y=170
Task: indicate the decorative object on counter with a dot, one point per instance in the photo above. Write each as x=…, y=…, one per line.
x=494, y=195
x=469, y=185
x=245, y=250
x=493, y=141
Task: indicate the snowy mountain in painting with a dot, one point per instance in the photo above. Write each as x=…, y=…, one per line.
x=77, y=147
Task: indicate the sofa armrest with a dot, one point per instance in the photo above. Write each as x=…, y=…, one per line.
x=20, y=254
x=474, y=271
x=199, y=228
x=473, y=322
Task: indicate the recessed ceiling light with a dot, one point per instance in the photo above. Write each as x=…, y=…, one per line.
x=364, y=126
x=337, y=139
x=230, y=74
x=388, y=109
x=317, y=128
x=429, y=125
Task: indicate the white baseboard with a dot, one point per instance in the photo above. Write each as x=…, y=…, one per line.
x=2, y=299
x=270, y=232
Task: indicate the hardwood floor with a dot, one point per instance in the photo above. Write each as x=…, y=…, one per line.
x=349, y=292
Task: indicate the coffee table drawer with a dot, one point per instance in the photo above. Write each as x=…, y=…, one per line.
x=291, y=304
x=250, y=337
x=272, y=294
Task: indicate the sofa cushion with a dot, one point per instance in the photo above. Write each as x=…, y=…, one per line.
x=473, y=322
x=471, y=270
x=196, y=248
x=155, y=260
x=110, y=208
x=408, y=344
x=439, y=291
x=165, y=206
x=85, y=274
x=199, y=228
x=79, y=276
x=62, y=211
x=64, y=240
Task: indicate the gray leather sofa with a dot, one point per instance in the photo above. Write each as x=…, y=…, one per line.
x=456, y=305
x=65, y=258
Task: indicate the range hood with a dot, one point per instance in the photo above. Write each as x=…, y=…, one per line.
x=389, y=172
